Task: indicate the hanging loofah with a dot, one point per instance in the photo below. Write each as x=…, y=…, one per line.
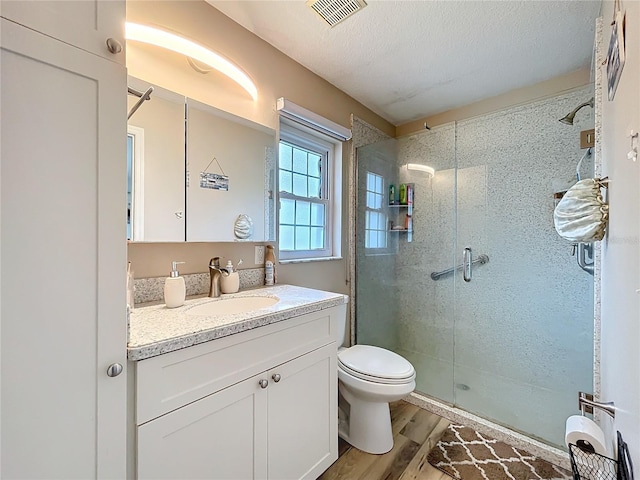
x=582, y=214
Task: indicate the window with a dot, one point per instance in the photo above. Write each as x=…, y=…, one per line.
x=375, y=218
x=135, y=183
x=309, y=203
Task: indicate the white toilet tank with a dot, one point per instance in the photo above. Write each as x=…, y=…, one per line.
x=341, y=332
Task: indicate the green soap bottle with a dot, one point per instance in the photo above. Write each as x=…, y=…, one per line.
x=403, y=194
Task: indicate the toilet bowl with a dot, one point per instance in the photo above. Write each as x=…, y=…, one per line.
x=368, y=379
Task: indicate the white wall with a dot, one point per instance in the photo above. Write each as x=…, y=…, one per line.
x=621, y=247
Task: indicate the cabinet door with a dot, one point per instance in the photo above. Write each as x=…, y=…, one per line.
x=63, y=184
x=303, y=415
x=222, y=436
x=85, y=24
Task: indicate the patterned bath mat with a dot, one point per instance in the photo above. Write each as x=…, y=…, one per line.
x=466, y=454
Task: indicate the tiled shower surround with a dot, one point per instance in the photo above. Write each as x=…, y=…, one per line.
x=515, y=344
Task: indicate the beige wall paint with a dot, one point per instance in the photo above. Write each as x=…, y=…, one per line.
x=275, y=75
x=154, y=259
x=539, y=91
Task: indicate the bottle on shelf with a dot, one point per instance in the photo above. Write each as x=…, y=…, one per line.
x=407, y=222
x=392, y=194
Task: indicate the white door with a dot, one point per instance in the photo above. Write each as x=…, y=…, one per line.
x=303, y=416
x=63, y=256
x=221, y=436
x=84, y=23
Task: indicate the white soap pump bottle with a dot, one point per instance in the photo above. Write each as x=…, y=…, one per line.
x=174, y=288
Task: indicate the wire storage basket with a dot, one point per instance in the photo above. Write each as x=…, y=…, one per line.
x=592, y=466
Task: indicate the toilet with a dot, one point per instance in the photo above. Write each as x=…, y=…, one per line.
x=368, y=379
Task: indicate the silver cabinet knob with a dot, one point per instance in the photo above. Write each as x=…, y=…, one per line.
x=276, y=377
x=263, y=383
x=114, y=46
x=114, y=370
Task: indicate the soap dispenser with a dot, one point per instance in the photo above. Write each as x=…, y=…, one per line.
x=174, y=288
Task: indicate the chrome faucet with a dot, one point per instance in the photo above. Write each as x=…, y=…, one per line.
x=214, y=275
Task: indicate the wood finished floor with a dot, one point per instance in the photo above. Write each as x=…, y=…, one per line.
x=415, y=433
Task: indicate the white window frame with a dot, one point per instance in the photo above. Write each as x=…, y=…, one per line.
x=306, y=138
x=380, y=211
x=137, y=183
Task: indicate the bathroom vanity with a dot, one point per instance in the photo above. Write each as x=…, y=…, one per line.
x=250, y=394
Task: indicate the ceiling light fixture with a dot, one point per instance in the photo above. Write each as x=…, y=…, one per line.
x=421, y=168
x=175, y=43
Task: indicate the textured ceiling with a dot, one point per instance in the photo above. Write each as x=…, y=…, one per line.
x=409, y=59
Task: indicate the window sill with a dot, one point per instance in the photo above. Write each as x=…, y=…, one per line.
x=308, y=260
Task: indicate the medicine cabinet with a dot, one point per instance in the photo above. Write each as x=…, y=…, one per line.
x=193, y=169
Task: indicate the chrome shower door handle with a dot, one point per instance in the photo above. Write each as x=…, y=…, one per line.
x=467, y=260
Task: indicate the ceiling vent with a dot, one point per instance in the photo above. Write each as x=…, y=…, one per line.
x=335, y=11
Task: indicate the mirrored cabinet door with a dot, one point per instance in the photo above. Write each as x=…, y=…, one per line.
x=229, y=160
x=194, y=169
x=156, y=166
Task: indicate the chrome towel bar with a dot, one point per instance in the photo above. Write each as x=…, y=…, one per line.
x=481, y=260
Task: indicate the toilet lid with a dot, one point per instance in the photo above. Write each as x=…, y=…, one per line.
x=376, y=364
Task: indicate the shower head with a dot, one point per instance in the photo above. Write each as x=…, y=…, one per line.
x=568, y=118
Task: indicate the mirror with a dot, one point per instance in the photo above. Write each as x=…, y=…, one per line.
x=194, y=170
x=155, y=164
x=220, y=149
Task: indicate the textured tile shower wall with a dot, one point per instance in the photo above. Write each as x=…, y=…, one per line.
x=373, y=301
x=515, y=345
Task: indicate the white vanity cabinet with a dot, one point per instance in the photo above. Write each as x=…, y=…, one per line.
x=259, y=404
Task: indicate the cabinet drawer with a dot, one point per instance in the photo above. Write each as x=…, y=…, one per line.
x=169, y=381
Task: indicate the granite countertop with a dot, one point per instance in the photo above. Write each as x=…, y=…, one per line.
x=156, y=329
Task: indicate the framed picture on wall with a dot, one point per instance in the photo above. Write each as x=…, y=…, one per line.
x=615, y=55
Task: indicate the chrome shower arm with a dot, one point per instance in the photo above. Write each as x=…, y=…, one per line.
x=143, y=96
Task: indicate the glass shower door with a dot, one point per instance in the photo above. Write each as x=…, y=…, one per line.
x=514, y=344
x=399, y=306
x=523, y=323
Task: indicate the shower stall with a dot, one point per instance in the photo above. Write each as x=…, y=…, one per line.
x=467, y=278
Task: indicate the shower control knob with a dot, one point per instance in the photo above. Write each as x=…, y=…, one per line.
x=276, y=377
x=114, y=46
x=263, y=383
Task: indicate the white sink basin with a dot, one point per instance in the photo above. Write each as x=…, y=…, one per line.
x=233, y=305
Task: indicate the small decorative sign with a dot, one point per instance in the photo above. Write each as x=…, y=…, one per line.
x=214, y=181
